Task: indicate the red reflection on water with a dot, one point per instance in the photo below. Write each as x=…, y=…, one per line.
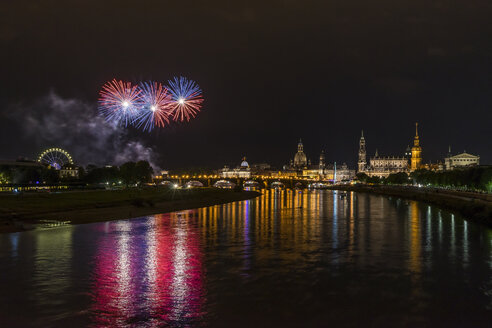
x=149, y=272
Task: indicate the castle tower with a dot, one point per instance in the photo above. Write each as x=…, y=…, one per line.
x=362, y=154
x=416, y=160
x=408, y=152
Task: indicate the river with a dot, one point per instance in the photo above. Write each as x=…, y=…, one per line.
x=288, y=258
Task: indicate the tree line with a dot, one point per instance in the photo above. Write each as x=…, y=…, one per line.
x=474, y=178
x=129, y=173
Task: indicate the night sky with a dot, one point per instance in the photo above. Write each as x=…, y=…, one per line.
x=271, y=72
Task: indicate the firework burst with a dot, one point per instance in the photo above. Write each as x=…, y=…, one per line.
x=155, y=107
x=119, y=101
x=186, y=98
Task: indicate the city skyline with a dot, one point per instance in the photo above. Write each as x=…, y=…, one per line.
x=312, y=156
x=322, y=72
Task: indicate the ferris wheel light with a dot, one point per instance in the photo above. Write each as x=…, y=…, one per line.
x=55, y=158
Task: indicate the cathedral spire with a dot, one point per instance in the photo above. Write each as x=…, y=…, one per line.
x=416, y=159
x=416, y=139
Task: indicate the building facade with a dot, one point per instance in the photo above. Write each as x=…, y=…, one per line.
x=69, y=171
x=382, y=166
x=462, y=160
x=242, y=171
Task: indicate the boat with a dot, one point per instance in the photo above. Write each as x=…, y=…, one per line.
x=251, y=184
x=318, y=186
x=277, y=185
x=224, y=184
x=193, y=184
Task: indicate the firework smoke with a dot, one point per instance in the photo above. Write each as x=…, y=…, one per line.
x=74, y=125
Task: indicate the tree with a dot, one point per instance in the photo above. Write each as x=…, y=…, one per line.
x=143, y=172
x=362, y=177
x=109, y=174
x=128, y=173
x=50, y=176
x=397, y=178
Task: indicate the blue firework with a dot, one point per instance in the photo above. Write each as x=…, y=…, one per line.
x=187, y=98
x=155, y=106
x=119, y=101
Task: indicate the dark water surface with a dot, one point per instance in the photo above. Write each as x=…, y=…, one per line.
x=287, y=259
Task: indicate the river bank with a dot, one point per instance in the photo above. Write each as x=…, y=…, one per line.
x=473, y=206
x=23, y=211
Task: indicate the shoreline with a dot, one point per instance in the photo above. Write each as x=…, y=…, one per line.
x=119, y=210
x=472, y=206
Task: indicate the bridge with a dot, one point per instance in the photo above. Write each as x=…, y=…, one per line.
x=264, y=181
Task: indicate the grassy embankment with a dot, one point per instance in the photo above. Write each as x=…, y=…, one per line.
x=77, y=207
x=473, y=206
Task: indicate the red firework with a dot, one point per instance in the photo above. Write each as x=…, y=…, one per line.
x=119, y=101
x=187, y=98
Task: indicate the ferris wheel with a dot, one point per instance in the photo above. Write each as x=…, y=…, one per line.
x=55, y=157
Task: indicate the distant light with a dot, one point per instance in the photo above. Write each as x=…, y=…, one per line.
x=126, y=104
x=181, y=101
x=175, y=186
x=153, y=108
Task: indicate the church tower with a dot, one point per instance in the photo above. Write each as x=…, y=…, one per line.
x=321, y=166
x=362, y=154
x=416, y=160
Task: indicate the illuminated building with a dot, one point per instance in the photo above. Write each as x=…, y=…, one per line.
x=416, y=160
x=283, y=174
x=344, y=173
x=326, y=172
x=302, y=167
x=242, y=171
x=69, y=171
x=316, y=171
x=461, y=160
x=380, y=166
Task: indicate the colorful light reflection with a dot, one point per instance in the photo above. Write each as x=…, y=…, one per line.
x=151, y=277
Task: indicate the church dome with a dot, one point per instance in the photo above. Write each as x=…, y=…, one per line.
x=244, y=164
x=300, y=159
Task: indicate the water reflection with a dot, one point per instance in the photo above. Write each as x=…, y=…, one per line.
x=415, y=258
x=149, y=273
x=301, y=257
